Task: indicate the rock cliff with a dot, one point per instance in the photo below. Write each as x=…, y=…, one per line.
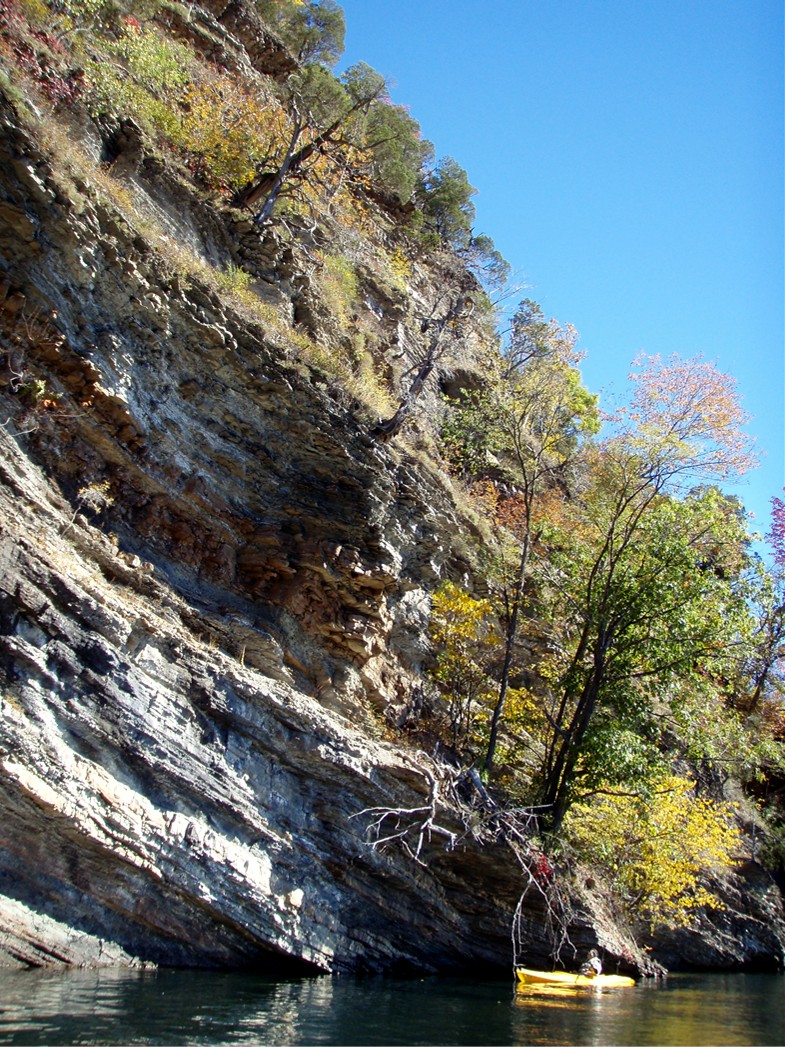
x=214, y=591
x=215, y=585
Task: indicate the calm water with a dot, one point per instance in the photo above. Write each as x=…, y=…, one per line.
x=177, y=1007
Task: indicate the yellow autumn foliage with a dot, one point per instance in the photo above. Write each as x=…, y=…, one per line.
x=523, y=710
x=460, y=621
x=229, y=130
x=463, y=632
x=655, y=849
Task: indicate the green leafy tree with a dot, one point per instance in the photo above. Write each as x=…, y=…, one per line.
x=777, y=533
x=760, y=672
x=446, y=201
x=650, y=623
x=646, y=577
x=765, y=669
x=532, y=335
x=486, y=262
x=398, y=152
x=527, y=421
x=313, y=30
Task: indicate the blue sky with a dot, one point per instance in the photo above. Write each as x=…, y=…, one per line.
x=628, y=157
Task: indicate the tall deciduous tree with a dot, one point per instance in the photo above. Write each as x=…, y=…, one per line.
x=760, y=673
x=765, y=669
x=645, y=574
x=542, y=408
x=777, y=533
x=486, y=262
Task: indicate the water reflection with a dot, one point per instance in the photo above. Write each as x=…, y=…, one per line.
x=547, y=1014
x=686, y=1010
x=185, y=1007
x=174, y=1007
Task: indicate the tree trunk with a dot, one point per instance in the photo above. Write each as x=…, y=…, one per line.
x=509, y=641
x=263, y=216
x=557, y=785
x=386, y=429
x=271, y=183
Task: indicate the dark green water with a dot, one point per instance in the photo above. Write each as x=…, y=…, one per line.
x=179, y=1007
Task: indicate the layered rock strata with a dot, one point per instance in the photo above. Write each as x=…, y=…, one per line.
x=214, y=593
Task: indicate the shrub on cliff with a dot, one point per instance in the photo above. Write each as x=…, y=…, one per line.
x=445, y=197
x=655, y=848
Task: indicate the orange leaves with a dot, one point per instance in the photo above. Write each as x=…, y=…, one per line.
x=513, y=514
x=485, y=495
x=685, y=419
x=773, y=716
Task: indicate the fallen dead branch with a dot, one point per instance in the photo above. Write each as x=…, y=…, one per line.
x=484, y=821
x=411, y=827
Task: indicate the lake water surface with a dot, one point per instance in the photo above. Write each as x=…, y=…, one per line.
x=187, y=1007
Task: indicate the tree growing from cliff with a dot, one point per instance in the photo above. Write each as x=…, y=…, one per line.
x=321, y=113
x=337, y=130
x=486, y=262
x=445, y=198
x=441, y=331
x=394, y=149
x=527, y=419
x=313, y=30
x=645, y=575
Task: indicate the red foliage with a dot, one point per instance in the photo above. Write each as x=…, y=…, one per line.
x=59, y=88
x=9, y=15
x=542, y=870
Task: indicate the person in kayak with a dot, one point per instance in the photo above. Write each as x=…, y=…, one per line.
x=593, y=965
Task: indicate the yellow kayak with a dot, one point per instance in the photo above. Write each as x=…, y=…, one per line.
x=576, y=981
